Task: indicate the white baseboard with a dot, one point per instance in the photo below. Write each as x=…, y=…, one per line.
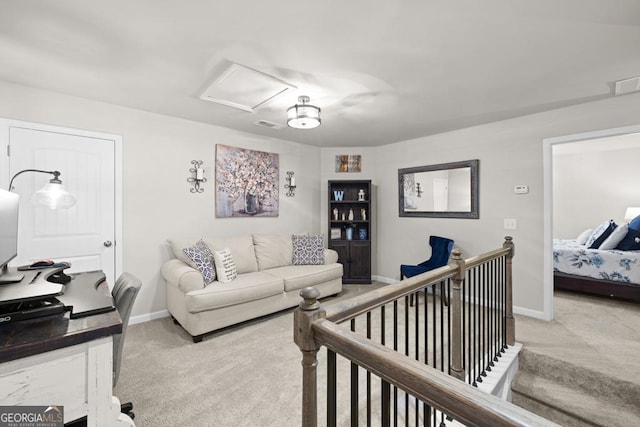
x=383, y=279
x=147, y=317
x=529, y=313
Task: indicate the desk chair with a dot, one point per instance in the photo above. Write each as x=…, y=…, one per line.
x=124, y=294
x=441, y=248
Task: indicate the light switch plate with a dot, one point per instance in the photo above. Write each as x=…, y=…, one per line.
x=510, y=224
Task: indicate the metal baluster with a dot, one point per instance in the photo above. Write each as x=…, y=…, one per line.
x=474, y=325
x=395, y=348
x=504, y=304
x=354, y=386
x=483, y=349
x=406, y=353
x=368, y=374
x=386, y=387
x=426, y=408
x=332, y=413
x=417, y=348
x=490, y=279
x=496, y=310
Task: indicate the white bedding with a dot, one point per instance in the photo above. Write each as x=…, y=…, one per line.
x=619, y=266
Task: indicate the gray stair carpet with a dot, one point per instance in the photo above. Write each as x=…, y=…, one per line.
x=582, y=368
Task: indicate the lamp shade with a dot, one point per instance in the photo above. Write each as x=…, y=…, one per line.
x=631, y=213
x=303, y=115
x=53, y=196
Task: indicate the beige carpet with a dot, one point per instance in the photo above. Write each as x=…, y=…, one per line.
x=248, y=375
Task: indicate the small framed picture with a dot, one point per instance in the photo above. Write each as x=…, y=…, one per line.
x=335, y=233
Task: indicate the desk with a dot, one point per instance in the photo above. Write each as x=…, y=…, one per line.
x=56, y=360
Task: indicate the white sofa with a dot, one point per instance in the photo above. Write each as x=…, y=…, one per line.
x=267, y=282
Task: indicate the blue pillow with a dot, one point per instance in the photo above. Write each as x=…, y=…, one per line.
x=631, y=241
x=634, y=224
x=600, y=234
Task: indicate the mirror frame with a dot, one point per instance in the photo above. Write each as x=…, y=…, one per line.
x=474, y=213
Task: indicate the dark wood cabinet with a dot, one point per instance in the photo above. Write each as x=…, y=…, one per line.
x=349, y=227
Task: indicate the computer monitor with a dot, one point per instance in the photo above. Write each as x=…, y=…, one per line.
x=9, y=203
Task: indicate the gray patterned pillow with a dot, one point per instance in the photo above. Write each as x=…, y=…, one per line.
x=308, y=249
x=201, y=255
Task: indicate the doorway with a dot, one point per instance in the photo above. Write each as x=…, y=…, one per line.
x=547, y=148
x=87, y=234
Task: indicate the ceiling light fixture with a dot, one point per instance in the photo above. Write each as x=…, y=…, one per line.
x=303, y=115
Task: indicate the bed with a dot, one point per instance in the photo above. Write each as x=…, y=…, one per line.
x=613, y=273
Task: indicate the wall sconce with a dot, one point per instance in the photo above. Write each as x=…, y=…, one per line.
x=290, y=185
x=418, y=190
x=53, y=195
x=198, y=176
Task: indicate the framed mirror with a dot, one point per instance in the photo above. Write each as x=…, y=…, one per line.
x=447, y=190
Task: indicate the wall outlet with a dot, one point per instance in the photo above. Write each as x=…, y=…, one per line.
x=510, y=224
x=521, y=189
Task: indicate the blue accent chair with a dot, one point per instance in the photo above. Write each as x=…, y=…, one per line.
x=441, y=248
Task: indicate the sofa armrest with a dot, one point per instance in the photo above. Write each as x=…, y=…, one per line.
x=330, y=256
x=181, y=275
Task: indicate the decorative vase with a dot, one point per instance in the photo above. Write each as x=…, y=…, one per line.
x=350, y=214
x=349, y=233
x=250, y=203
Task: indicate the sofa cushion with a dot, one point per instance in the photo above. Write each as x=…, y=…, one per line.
x=308, y=249
x=246, y=287
x=302, y=276
x=241, y=248
x=202, y=257
x=273, y=250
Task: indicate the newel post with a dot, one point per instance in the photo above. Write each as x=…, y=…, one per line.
x=308, y=311
x=510, y=321
x=456, y=316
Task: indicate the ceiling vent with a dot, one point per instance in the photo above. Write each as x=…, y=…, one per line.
x=244, y=88
x=627, y=86
x=268, y=124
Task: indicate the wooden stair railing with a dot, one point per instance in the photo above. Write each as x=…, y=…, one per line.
x=316, y=326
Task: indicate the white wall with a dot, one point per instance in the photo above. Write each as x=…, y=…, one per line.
x=593, y=186
x=157, y=154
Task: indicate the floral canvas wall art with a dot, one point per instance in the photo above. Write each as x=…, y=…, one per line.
x=246, y=182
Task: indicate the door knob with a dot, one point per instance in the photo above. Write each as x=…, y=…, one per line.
x=107, y=244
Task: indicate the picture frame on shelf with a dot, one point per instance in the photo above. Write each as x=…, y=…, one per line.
x=335, y=233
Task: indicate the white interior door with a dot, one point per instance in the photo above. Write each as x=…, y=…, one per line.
x=84, y=235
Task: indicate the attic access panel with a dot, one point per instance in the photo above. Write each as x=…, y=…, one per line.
x=244, y=88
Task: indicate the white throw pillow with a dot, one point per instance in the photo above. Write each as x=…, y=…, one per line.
x=582, y=238
x=225, y=267
x=614, y=238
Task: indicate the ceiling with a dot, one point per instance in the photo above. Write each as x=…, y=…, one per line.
x=381, y=71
